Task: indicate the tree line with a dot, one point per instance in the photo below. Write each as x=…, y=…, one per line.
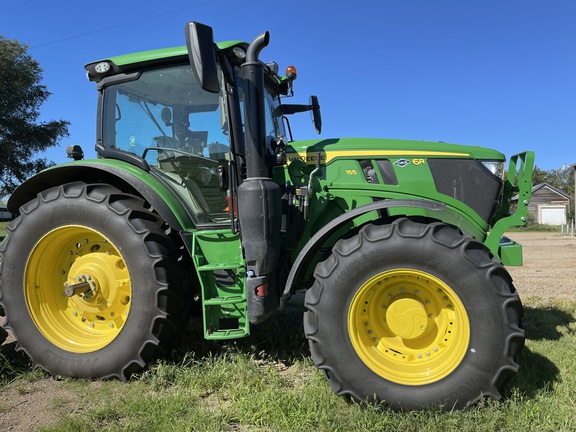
x=562, y=178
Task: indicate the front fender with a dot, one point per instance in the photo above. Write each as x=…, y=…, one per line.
x=315, y=243
x=125, y=176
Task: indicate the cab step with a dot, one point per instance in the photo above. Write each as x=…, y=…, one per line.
x=217, y=256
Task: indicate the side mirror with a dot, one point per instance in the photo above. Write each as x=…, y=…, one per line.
x=316, y=116
x=201, y=51
x=166, y=115
x=313, y=107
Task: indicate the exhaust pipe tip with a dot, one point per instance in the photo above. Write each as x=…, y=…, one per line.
x=258, y=44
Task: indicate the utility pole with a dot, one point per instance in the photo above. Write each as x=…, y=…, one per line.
x=574, y=202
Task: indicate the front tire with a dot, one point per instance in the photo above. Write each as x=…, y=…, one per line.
x=413, y=316
x=92, y=284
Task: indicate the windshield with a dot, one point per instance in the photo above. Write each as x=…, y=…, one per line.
x=180, y=130
x=164, y=108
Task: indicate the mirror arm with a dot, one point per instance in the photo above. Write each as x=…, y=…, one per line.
x=226, y=67
x=293, y=109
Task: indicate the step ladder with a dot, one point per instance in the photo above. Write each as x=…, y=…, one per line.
x=217, y=256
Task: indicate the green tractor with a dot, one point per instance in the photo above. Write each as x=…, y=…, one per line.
x=200, y=196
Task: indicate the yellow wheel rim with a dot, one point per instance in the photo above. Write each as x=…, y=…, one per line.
x=77, y=289
x=408, y=326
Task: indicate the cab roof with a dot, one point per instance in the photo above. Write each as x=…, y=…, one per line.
x=130, y=62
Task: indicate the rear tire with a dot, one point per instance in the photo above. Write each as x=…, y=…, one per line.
x=126, y=302
x=413, y=316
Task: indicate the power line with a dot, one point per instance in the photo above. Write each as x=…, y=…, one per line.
x=120, y=25
x=16, y=5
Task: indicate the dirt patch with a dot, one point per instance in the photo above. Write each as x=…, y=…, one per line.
x=30, y=406
x=549, y=271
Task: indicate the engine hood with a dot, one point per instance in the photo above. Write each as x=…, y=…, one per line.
x=334, y=148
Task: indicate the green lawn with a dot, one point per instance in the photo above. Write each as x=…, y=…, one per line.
x=3, y=229
x=268, y=383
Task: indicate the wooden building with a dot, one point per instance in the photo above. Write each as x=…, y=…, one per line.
x=548, y=205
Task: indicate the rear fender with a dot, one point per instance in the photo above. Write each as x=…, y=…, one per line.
x=126, y=177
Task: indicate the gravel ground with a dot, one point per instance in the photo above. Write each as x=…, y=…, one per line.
x=549, y=269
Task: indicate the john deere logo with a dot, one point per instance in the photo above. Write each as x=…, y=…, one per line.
x=402, y=162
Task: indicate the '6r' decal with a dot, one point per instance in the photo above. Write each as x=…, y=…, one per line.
x=416, y=161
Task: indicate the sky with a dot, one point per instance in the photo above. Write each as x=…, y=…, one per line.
x=490, y=73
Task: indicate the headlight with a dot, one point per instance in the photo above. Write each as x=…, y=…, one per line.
x=495, y=167
x=102, y=67
x=239, y=53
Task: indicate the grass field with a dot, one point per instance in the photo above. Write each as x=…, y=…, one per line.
x=268, y=383
x=3, y=229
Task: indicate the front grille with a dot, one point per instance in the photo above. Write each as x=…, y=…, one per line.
x=468, y=181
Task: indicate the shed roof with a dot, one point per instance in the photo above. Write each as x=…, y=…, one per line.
x=548, y=186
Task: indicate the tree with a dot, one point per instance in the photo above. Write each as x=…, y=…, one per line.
x=562, y=179
x=22, y=138
x=538, y=176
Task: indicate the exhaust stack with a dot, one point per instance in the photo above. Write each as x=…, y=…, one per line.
x=259, y=198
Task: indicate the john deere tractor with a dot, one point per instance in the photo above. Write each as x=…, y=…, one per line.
x=199, y=195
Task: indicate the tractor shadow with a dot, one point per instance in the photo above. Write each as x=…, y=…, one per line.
x=279, y=339
x=13, y=364
x=537, y=372
x=546, y=322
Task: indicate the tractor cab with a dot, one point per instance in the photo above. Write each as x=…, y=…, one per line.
x=161, y=119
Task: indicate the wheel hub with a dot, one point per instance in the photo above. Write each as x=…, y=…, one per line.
x=407, y=318
x=86, y=287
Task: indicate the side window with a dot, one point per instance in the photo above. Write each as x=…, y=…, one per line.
x=274, y=125
x=208, y=132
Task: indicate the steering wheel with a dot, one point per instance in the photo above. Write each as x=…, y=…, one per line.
x=190, y=165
